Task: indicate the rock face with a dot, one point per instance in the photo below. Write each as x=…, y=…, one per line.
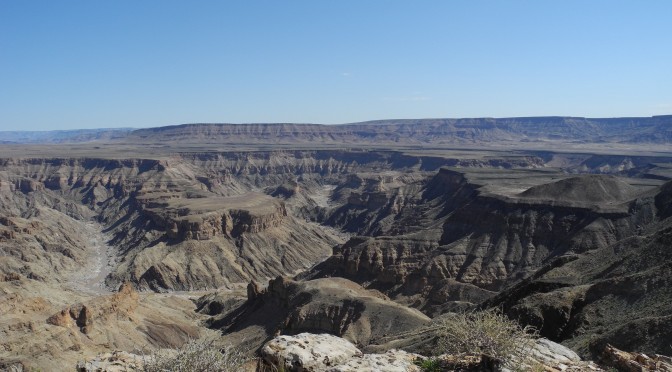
x=204, y=218
x=617, y=294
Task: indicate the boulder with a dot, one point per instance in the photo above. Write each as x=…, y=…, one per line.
x=550, y=352
x=308, y=352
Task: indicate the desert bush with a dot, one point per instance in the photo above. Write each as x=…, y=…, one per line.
x=197, y=355
x=489, y=334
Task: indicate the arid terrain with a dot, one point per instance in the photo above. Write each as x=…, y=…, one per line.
x=136, y=240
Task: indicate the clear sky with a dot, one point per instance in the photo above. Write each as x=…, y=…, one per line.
x=139, y=63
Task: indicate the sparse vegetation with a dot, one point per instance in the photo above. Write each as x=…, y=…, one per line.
x=490, y=334
x=263, y=366
x=201, y=355
x=429, y=365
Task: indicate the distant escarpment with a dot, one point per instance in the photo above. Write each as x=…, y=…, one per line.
x=517, y=132
x=514, y=131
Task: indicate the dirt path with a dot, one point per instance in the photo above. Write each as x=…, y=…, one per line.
x=90, y=278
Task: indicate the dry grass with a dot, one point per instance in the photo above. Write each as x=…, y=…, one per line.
x=195, y=356
x=489, y=334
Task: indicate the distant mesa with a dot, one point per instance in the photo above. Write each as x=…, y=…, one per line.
x=514, y=132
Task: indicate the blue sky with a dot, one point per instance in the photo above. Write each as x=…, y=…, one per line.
x=90, y=64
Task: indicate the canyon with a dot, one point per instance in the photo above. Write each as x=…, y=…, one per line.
x=133, y=240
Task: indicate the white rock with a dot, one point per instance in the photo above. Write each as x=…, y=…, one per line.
x=549, y=352
x=308, y=352
x=392, y=361
x=116, y=361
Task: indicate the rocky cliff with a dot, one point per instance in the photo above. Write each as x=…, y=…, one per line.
x=472, y=242
x=616, y=294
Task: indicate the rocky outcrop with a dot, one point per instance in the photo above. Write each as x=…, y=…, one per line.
x=27, y=185
x=546, y=355
x=332, y=305
x=78, y=315
x=203, y=217
x=635, y=362
x=387, y=263
x=308, y=352
x=116, y=361
x=593, y=189
x=120, y=304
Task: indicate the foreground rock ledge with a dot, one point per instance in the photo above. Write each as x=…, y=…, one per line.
x=324, y=352
x=308, y=352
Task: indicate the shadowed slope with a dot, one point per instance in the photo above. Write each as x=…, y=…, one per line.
x=585, y=189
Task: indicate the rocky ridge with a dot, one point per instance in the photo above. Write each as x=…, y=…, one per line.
x=334, y=305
